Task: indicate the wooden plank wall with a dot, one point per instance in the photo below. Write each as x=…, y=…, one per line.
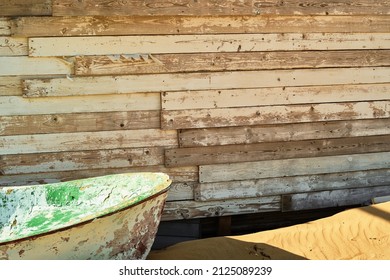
x=250, y=106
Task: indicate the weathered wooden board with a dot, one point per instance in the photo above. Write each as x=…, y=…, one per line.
x=178, y=174
x=275, y=150
x=177, y=210
x=80, y=141
x=219, y=7
x=282, y=132
x=106, y=45
x=171, y=63
x=222, y=117
x=356, y=7
x=66, y=161
x=13, y=46
x=179, y=24
x=334, y=198
x=78, y=122
x=17, y=105
x=183, y=100
x=181, y=191
x=152, y=7
x=288, y=185
x=25, y=7
x=22, y=65
x=292, y=167
x=10, y=85
x=202, y=81
x=5, y=26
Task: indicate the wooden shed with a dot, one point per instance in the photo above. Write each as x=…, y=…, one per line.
x=250, y=106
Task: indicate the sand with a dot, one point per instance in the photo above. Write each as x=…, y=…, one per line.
x=356, y=234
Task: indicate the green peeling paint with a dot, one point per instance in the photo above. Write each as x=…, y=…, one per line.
x=62, y=195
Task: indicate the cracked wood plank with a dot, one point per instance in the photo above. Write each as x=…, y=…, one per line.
x=288, y=185
x=275, y=150
x=25, y=7
x=292, y=167
x=109, y=45
x=179, y=24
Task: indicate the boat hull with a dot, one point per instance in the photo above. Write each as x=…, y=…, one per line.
x=126, y=234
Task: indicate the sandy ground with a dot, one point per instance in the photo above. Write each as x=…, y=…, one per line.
x=361, y=233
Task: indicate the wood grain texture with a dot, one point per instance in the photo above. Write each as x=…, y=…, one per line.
x=82, y=160
x=292, y=167
x=80, y=141
x=108, y=45
x=179, y=24
x=184, y=100
x=17, y=105
x=78, y=122
x=224, y=117
x=5, y=26
x=275, y=150
x=179, y=191
x=25, y=7
x=171, y=63
x=334, y=198
x=202, y=81
x=178, y=210
x=13, y=46
x=282, y=132
x=10, y=85
x=288, y=185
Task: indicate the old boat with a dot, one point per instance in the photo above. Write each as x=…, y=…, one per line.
x=108, y=217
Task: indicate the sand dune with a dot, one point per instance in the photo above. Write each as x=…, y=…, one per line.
x=361, y=233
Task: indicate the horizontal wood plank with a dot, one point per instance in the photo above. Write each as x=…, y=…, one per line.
x=334, y=198
x=17, y=105
x=275, y=150
x=25, y=7
x=13, y=46
x=181, y=191
x=183, y=100
x=108, y=45
x=292, y=167
x=288, y=185
x=78, y=122
x=66, y=161
x=178, y=174
x=5, y=26
x=202, y=81
x=179, y=24
x=80, y=141
x=223, y=117
x=172, y=63
x=282, y=132
x=10, y=85
x=22, y=65
x=178, y=210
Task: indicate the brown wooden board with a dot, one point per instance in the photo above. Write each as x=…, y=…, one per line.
x=78, y=122
x=25, y=7
x=275, y=150
x=179, y=24
x=288, y=185
x=282, y=132
x=10, y=85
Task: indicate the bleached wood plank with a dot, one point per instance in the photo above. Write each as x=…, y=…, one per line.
x=294, y=184
x=22, y=65
x=13, y=46
x=25, y=7
x=282, y=132
x=106, y=45
x=17, y=105
x=275, y=150
x=292, y=167
x=10, y=85
x=67, y=161
x=334, y=198
x=80, y=141
x=5, y=26
x=179, y=24
x=202, y=81
x=202, y=118
x=78, y=122
x=183, y=100
x=181, y=191
x=171, y=63
x=177, y=210
x=178, y=174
